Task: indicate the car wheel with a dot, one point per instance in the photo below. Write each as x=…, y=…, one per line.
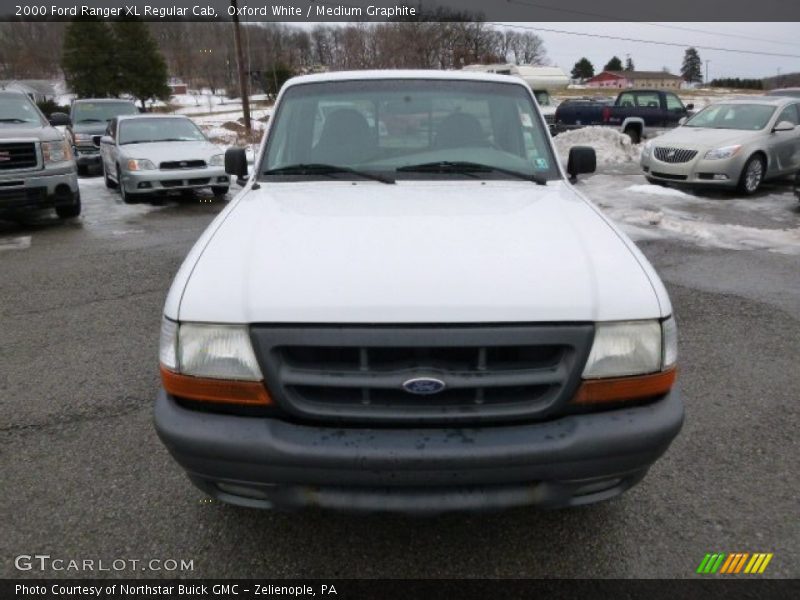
x=126, y=197
x=70, y=211
x=633, y=133
x=752, y=175
x=220, y=190
x=109, y=182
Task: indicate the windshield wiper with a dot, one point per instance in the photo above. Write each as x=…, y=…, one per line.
x=93, y=120
x=323, y=169
x=466, y=167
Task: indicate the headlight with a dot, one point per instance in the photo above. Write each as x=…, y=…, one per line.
x=625, y=348
x=140, y=164
x=82, y=137
x=217, y=160
x=629, y=361
x=212, y=351
x=54, y=152
x=722, y=153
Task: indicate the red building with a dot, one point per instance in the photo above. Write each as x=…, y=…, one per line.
x=629, y=79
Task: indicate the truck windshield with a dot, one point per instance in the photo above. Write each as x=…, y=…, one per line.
x=100, y=112
x=399, y=128
x=144, y=130
x=751, y=117
x=17, y=110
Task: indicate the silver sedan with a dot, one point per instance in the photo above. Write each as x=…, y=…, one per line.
x=143, y=155
x=731, y=144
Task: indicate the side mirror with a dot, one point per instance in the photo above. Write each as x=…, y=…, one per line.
x=58, y=119
x=236, y=163
x=690, y=106
x=106, y=139
x=682, y=120
x=784, y=126
x=582, y=159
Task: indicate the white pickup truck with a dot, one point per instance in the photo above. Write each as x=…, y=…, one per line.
x=409, y=307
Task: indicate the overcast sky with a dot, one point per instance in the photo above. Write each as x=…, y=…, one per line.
x=775, y=38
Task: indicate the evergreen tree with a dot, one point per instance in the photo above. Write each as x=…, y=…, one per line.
x=629, y=66
x=583, y=69
x=141, y=69
x=88, y=59
x=615, y=64
x=692, y=68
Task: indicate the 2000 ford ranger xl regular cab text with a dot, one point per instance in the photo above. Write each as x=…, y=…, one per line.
x=409, y=307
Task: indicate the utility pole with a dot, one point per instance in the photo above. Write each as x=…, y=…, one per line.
x=243, y=87
x=707, y=61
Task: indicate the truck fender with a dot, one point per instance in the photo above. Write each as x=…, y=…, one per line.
x=635, y=123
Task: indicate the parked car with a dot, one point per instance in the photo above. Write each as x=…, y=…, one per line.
x=147, y=155
x=88, y=120
x=415, y=322
x=731, y=144
x=637, y=113
x=791, y=92
x=36, y=166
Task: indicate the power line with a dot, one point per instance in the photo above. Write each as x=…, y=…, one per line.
x=606, y=18
x=639, y=41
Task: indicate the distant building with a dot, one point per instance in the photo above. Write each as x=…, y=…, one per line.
x=176, y=86
x=629, y=79
x=39, y=90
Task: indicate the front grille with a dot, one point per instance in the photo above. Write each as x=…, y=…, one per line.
x=356, y=374
x=182, y=164
x=670, y=176
x=18, y=155
x=674, y=155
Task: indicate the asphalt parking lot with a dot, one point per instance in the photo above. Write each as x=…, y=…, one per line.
x=84, y=475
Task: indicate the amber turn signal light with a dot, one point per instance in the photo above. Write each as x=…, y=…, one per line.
x=622, y=389
x=221, y=391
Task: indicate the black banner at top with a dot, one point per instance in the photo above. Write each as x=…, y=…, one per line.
x=313, y=11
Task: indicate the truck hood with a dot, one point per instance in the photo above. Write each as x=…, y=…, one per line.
x=414, y=252
x=169, y=151
x=30, y=132
x=706, y=137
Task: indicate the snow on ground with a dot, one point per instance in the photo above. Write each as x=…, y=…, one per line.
x=611, y=146
x=651, y=212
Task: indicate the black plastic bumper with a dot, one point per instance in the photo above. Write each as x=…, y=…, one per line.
x=264, y=462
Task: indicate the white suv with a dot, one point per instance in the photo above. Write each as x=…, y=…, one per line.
x=409, y=307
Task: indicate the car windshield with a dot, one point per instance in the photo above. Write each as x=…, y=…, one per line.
x=733, y=116
x=408, y=129
x=143, y=130
x=542, y=97
x=100, y=112
x=18, y=110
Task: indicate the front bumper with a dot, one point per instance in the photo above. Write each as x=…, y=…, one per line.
x=44, y=188
x=697, y=172
x=87, y=156
x=157, y=180
x=263, y=462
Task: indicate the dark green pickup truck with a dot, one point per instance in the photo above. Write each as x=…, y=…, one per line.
x=635, y=112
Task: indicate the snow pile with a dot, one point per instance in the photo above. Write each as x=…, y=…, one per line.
x=652, y=212
x=611, y=146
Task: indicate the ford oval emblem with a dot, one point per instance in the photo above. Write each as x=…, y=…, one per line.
x=424, y=386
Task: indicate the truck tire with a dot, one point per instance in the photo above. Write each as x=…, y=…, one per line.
x=634, y=134
x=70, y=211
x=752, y=175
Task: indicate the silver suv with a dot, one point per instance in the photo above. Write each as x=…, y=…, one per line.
x=37, y=169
